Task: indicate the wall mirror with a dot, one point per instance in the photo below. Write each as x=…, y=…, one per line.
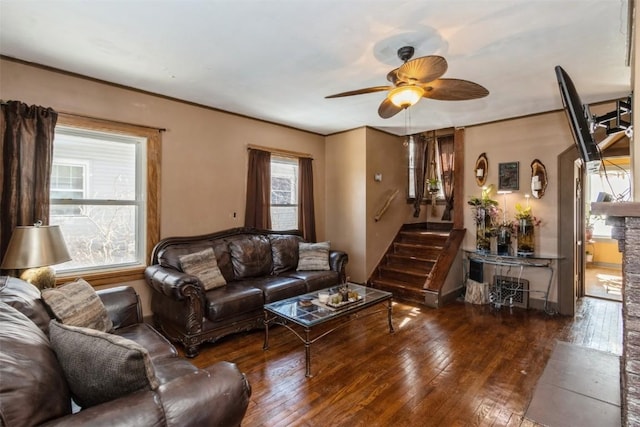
x=538, y=179
x=481, y=169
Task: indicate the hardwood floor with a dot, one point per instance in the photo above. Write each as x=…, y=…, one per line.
x=603, y=282
x=461, y=365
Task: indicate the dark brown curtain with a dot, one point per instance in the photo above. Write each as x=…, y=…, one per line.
x=306, y=213
x=420, y=171
x=258, y=206
x=447, y=158
x=26, y=154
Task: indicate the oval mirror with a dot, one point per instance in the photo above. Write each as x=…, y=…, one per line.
x=538, y=179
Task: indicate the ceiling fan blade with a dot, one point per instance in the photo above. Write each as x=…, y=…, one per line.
x=421, y=70
x=360, y=91
x=388, y=109
x=454, y=90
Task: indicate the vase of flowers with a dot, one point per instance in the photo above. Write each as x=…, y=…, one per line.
x=503, y=238
x=485, y=212
x=526, y=223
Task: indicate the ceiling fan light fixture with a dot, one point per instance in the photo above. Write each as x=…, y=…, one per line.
x=406, y=96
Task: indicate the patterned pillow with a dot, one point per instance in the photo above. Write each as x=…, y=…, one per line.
x=204, y=266
x=98, y=366
x=77, y=304
x=313, y=256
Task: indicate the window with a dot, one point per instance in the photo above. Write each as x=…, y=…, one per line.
x=434, y=163
x=284, y=193
x=102, y=176
x=67, y=182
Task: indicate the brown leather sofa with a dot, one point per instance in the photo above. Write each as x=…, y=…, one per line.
x=34, y=391
x=259, y=266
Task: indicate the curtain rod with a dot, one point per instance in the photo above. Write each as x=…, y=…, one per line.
x=285, y=153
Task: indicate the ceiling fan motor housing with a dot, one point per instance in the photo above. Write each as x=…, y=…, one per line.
x=405, y=53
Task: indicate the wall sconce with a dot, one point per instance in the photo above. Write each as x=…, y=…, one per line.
x=538, y=179
x=481, y=169
x=36, y=248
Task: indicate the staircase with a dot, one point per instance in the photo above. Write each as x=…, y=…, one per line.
x=417, y=262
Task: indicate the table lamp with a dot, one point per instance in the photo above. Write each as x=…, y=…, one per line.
x=36, y=248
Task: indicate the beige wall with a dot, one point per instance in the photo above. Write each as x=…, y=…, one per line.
x=204, y=152
x=522, y=140
x=346, y=198
x=204, y=160
x=386, y=155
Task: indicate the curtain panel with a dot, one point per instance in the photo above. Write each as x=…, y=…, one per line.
x=420, y=172
x=26, y=155
x=306, y=213
x=258, y=205
x=447, y=159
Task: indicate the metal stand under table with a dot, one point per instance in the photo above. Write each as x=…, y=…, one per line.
x=498, y=298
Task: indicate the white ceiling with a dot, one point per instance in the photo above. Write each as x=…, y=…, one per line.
x=276, y=60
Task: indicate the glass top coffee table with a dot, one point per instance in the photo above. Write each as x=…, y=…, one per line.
x=306, y=311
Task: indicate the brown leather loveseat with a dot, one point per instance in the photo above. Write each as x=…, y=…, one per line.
x=36, y=389
x=258, y=267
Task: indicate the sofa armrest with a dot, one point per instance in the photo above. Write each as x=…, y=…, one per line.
x=170, y=282
x=122, y=304
x=217, y=396
x=214, y=396
x=337, y=261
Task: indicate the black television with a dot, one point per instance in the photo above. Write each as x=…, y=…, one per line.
x=578, y=116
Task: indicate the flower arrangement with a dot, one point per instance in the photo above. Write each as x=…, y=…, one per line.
x=485, y=213
x=526, y=223
x=524, y=213
x=485, y=209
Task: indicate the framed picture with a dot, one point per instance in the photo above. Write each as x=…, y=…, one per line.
x=508, y=174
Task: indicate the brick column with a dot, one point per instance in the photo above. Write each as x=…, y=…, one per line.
x=625, y=218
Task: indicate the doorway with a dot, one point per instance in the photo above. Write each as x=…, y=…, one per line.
x=572, y=211
x=603, y=260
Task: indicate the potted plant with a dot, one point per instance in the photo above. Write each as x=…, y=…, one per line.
x=485, y=213
x=525, y=222
x=589, y=222
x=434, y=185
x=589, y=256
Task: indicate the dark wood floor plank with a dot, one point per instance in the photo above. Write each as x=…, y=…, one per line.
x=458, y=365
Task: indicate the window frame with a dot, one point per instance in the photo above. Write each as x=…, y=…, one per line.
x=151, y=193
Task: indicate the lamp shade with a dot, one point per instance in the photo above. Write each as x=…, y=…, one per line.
x=406, y=96
x=35, y=246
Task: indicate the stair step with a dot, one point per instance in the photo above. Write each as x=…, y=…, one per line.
x=431, y=226
x=411, y=261
x=437, y=238
x=429, y=252
x=403, y=274
x=401, y=290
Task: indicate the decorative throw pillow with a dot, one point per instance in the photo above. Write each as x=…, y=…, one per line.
x=204, y=266
x=284, y=251
x=313, y=256
x=99, y=366
x=77, y=304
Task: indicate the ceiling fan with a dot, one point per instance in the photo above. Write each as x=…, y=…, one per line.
x=419, y=78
